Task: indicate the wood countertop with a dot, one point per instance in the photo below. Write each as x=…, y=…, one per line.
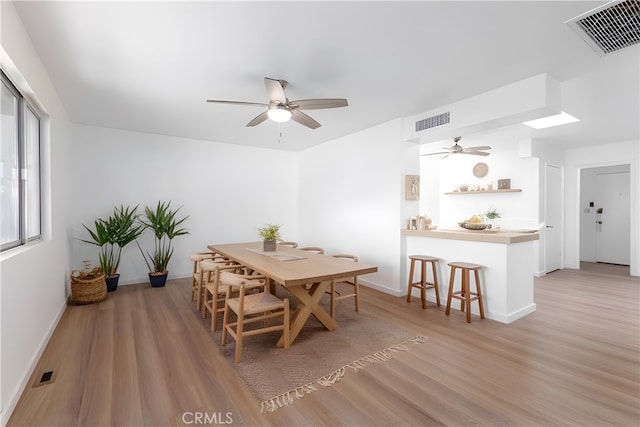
x=488, y=236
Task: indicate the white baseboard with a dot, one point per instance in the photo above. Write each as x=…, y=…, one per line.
x=377, y=287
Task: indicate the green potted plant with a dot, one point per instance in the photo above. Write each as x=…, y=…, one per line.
x=166, y=226
x=112, y=235
x=269, y=234
x=492, y=213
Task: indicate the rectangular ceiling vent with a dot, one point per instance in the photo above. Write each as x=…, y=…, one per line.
x=610, y=27
x=432, y=122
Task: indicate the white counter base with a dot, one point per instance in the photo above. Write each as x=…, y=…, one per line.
x=506, y=278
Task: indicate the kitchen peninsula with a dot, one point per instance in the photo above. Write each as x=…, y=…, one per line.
x=508, y=259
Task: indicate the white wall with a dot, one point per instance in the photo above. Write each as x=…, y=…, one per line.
x=352, y=199
x=599, y=156
x=228, y=191
x=33, y=290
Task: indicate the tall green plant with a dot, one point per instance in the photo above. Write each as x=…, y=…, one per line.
x=165, y=226
x=113, y=234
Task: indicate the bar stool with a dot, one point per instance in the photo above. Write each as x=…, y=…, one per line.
x=423, y=284
x=465, y=295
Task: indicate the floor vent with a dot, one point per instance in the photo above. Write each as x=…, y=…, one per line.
x=610, y=27
x=45, y=378
x=434, y=121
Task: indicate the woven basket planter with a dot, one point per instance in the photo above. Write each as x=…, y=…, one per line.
x=89, y=290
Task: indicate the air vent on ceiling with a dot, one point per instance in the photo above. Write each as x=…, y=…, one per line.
x=434, y=121
x=610, y=27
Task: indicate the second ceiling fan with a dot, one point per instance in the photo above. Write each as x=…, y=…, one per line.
x=280, y=109
x=458, y=149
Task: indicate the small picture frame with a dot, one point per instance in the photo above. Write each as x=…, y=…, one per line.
x=504, y=184
x=412, y=187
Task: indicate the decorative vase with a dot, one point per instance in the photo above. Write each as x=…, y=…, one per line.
x=112, y=282
x=269, y=245
x=158, y=279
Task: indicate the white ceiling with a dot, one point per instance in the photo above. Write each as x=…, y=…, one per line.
x=150, y=66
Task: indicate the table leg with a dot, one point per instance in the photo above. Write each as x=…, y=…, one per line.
x=308, y=304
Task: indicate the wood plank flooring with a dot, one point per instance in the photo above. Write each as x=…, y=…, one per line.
x=144, y=357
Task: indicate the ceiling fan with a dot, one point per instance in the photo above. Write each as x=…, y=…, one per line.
x=458, y=149
x=280, y=109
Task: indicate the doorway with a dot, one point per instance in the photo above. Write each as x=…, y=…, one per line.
x=605, y=215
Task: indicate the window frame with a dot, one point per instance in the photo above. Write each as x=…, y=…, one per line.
x=25, y=185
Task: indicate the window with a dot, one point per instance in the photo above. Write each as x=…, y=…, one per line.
x=20, y=199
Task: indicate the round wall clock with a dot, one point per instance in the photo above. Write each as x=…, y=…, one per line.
x=480, y=170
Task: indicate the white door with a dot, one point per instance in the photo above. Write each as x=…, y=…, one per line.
x=613, y=218
x=553, y=219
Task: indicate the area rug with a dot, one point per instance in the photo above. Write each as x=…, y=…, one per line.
x=278, y=377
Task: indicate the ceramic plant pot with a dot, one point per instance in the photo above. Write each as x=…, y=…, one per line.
x=158, y=280
x=112, y=282
x=269, y=245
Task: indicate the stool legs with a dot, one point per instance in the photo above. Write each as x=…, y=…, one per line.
x=423, y=284
x=479, y=294
x=435, y=282
x=465, y=295
x=450, y=293
x=411, y=268
x=423, y=290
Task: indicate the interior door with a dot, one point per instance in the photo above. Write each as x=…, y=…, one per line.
x=613, y=218
x=553, y=219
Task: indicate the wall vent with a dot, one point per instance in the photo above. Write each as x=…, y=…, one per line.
x=610, y=27
x=434, y=121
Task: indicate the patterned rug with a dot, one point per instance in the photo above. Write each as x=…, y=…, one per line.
x=317, y=358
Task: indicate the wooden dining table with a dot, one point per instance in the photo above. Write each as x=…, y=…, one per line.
x=294, y=269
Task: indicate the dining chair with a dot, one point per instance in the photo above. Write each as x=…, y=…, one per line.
x=290, y=244
x=217, y=278
x=253, y=309
x=313, y=249
x=338, y=287
x=196, y=284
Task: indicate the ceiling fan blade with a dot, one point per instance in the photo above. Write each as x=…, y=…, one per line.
x=483, y=147
x=262, y=104
x=476, y=153
x=303, y=119
x=258, y=119
x=317, y=104
x=275, y=91
x=431, y=154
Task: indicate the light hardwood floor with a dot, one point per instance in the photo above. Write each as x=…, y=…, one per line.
x=144, y=357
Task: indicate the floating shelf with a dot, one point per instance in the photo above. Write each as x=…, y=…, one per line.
x=511, y=190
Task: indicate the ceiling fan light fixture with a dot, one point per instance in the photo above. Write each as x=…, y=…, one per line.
x=279, y=114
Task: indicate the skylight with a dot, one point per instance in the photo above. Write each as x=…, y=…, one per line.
x=550, y=121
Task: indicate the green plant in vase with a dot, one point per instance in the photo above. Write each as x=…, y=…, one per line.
x=163, y=221
x=269, y=234
x=492, y=213
x=112, y=235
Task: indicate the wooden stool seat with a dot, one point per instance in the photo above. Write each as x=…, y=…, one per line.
x=466, y=265
x=465, y=295
x=423, y=284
